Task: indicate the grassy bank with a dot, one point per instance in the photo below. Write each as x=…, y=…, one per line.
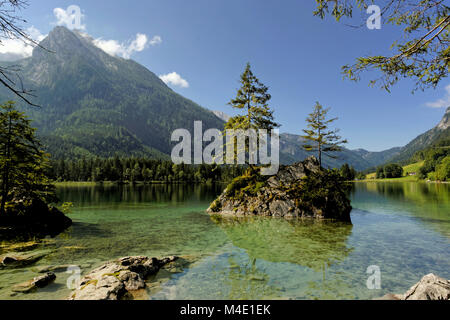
x=410, y=168
x=402, y=179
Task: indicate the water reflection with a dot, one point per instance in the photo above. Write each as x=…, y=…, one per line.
x=427, y=201
x=166, y=193
x=314, y=244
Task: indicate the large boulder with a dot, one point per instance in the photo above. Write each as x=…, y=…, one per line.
x=24, y=221
x=430, y=287
x=117, y=280
x=299, y=190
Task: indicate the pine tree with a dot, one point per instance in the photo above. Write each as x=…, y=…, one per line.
x=23, y=165
x=253, y=98
x=321, y=139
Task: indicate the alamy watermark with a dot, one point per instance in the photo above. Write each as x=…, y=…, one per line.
x=71, y=17
x=253, y=143
x=374, y=280
x=374, y=21
x=75, y=276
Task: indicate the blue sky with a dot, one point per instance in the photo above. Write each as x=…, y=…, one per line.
x=299, y=56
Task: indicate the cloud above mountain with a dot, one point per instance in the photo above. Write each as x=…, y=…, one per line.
x=174, y=79
x=72, y=18
x=125, y=50
x=443, y=102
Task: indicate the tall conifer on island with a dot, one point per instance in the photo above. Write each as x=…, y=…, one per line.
x=319, y=137
x=23, y=164
x=253, y=98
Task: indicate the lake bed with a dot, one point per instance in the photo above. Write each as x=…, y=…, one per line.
x=403, y=228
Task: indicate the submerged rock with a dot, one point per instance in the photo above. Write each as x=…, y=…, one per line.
x=311, y=243
x=58, y=268
x=430, y=287
x=20, y=246
x=299, y=190
x=117, y=280
x=37, y=282
x=20, y=260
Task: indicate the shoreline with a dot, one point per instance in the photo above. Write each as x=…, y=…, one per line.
x=110, y=183
x=137, y=183
x=400, y=180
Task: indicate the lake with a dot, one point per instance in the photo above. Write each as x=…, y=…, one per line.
x=403, y=228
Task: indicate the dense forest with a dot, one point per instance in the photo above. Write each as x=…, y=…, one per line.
x=436, y=161
x=131, y=170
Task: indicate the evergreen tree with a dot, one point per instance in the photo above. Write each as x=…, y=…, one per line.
x=393, y=170
x=347, y=172
x=319, y=137
x=23, y=165
x=253, y=98
x=380, y=173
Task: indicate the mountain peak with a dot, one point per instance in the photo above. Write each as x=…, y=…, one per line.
x=59, y=30
x=222, y=115
x=445, y=122
x=60, y=34
x=60, y=41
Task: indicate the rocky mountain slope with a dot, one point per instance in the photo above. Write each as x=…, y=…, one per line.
x=440, y=132
x=94, y=104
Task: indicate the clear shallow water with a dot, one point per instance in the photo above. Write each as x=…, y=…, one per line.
x=404, y=228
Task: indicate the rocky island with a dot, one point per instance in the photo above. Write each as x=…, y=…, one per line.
x=301, y=190
x=28, y=219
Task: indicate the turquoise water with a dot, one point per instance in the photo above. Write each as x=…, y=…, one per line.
x=404, y=228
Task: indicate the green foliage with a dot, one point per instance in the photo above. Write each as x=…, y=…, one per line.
x=360, y=176
x=393, y=170
x=248, y=184
x=23, y=164
x=66, y=207
x=347, y=173
x=416, y=150
x=433, y=158
x=253, y=98
x=319, y=137
x=389, y=171
x=423, y=54
x=138, y=170
x=380, y=173
x=443, y=169
x=318, y=189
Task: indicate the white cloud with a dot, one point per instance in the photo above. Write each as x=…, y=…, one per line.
x=155, y=40
x=115, y=48
x=71, y=18
x=15, y=49
x=174, y=79
x=441, y=103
